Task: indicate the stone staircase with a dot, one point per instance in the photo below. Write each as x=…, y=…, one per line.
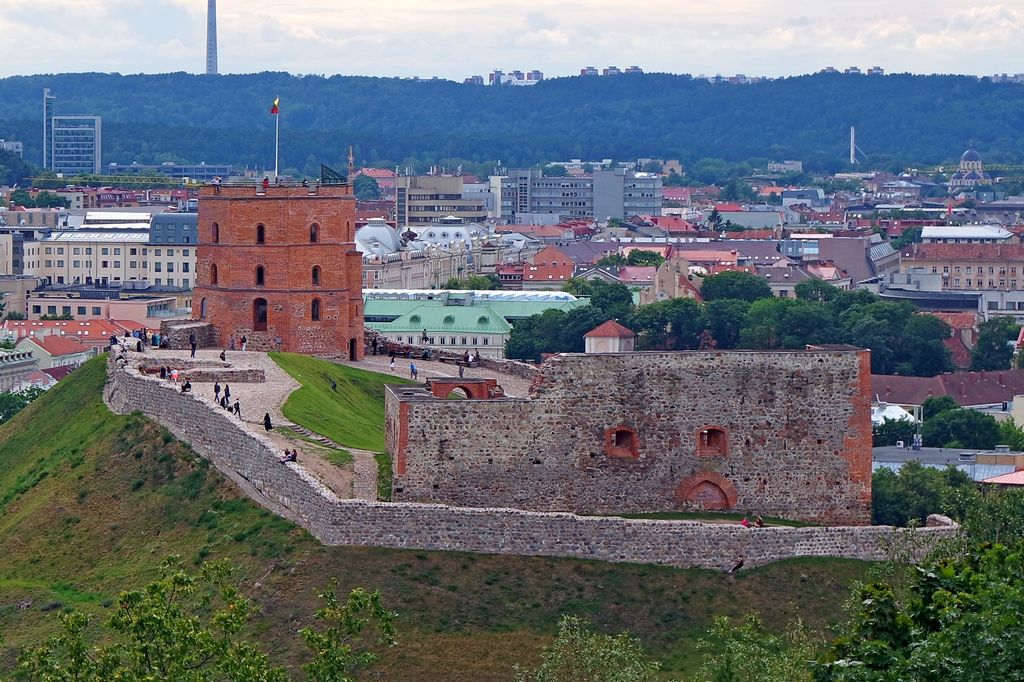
x=314, y=436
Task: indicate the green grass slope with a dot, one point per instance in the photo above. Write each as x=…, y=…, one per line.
x=352, y=415
x=91, y=502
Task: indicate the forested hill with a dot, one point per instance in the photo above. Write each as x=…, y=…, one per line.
x=184, y=117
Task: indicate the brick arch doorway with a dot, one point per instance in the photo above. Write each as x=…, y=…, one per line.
x=708, y=490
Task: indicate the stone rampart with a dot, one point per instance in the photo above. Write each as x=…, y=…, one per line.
x=785, y=434
x=250, y=460
x=177, y=333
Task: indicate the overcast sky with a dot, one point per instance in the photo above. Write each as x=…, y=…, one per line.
x=457, y=38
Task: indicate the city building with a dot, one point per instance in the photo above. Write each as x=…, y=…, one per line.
x=428, y=199
x=199, y=172
x=49, y=109
x=280, y=267
x=966, y=234
x=15, y=366
x=54, y=350
x=619, y=193
x=970, y=172
x=76, y=145
x=787, y=166
x=13, y=147
x=528, y=197
x=970, y=266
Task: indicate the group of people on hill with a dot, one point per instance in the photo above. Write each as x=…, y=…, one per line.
x=225, y=399
x=758, y=522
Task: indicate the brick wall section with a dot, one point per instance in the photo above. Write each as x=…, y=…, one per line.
x=250, y=460
x=228, y=246
x=798, y=426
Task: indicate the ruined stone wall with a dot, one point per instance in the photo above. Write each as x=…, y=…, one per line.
x=790, y=436
x=250, y=459
x=177, y=333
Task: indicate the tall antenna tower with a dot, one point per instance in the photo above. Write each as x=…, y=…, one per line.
x=211, y=37
x=853, y=142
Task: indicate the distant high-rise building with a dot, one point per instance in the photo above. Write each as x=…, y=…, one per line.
x=13, y=146
x=611, y=71
x=589, y=71
x=211, y=37
x=75, y=145
x=48, y=104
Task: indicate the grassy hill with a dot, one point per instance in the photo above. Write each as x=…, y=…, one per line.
x=91, y=502
x=351, y=412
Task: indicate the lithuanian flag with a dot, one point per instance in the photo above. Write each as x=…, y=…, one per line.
x=274, y=109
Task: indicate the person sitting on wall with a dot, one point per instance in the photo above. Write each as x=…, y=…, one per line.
x=163, y=372
x=186, y=387
x=292, y=456
x=745, y=523
x=759, y=522
x=223, y=356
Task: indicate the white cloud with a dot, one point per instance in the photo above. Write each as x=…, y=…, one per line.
x=455, y=38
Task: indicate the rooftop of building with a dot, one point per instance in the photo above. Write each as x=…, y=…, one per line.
x=89, y=235
x=965, y=252
x=447, y=319
x=610, y=330
x=965, y=232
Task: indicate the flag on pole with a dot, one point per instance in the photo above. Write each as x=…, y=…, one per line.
x=274, y=109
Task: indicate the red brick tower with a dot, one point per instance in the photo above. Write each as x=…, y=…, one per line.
x=281, y=262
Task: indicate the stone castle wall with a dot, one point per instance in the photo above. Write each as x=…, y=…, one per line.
x=250, y=460
x=788, y=434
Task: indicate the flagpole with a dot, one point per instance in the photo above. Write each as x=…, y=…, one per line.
x=277, y=141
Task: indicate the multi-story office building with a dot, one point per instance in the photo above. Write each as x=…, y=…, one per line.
x=76, y=145
x=13, y=146
x=527, y=196
x=201, y=172
x=428, y=199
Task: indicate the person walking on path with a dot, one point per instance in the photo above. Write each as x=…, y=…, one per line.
x=412, y=370
x=266, y=183
x=216, y=391
x=231, y=343
x=391, y=365
x=223, y=356
x=266, y=422
x=227, y=392
x=237, y=409
x=216, y=184
x=224, y=403
x=462, y=370
x=244, y=342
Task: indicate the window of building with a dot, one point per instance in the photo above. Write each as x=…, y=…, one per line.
x=117, y=251
x=81, y=310
x=51, y=310
x=117, y=264
x=216, y=233
x=184, y=267
x=133, y=252
x=157, y=266
x=145, y=264
x=185, y=282
x=185, y=240
x=711, y=441
x=60, y=250
x=49, y=263
x=621, y=442
x=65, y=310
x=104, y=251
x=36, y=310
x=170, y=252
x=157, y=252
x=158, y=281
x=213, y=273
x=261, y=234
x=185, y=252
x=260, y=276
x=48, y=251
x=316, y=275
x=76, y=263
x=487, y=341
x=96, y=310
x=259, y=315
x=170, y=281
x=76, y=251
x=315, y=310
x=314, y=233
x=133, y=263
x=968, y=269
x=170, y=267
x=60, y=264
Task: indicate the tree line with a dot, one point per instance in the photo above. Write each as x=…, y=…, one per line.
x=901, y=119
x=739, y=310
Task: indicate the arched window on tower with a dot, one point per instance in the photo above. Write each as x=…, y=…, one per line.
x=314, y=233
x=259, y=315
x=316, y=275
x=260, y=276
x=261, y=234
x=216, y=233
x=213, y=273
x=314, y=310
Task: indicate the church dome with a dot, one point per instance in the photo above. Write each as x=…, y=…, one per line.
x=377, y=237
x=970, y=155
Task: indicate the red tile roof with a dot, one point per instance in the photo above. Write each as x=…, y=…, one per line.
x=965, y=252
x=58, y=373
x=610, y=330
x=98, y=328
x=637, y=273
x=966, y=388
x=1016, y=478
x=60, y=345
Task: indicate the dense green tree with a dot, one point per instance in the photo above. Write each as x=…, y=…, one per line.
x=612, y=260
x=743, y=286
x=13, y=402
x=957, y=619
x=190, y=628
x=937, y=405
x=473, y=283
x=737, y=190
x=553, y=331
x=749, y=652
x=611, y=298
x=917, y=491
x=675, y=324
x=961, y=428
x=816, y=290
x=725, y=319
x=782, y=323
x=994, y=348
x=579, y=654
x=892, y=431
x=1011, y=434
x=555, y=170
x=909, y=236
x=13, y=171
x=578, y=286
x=642, y=257
x=366, y=188
x=922, y=346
